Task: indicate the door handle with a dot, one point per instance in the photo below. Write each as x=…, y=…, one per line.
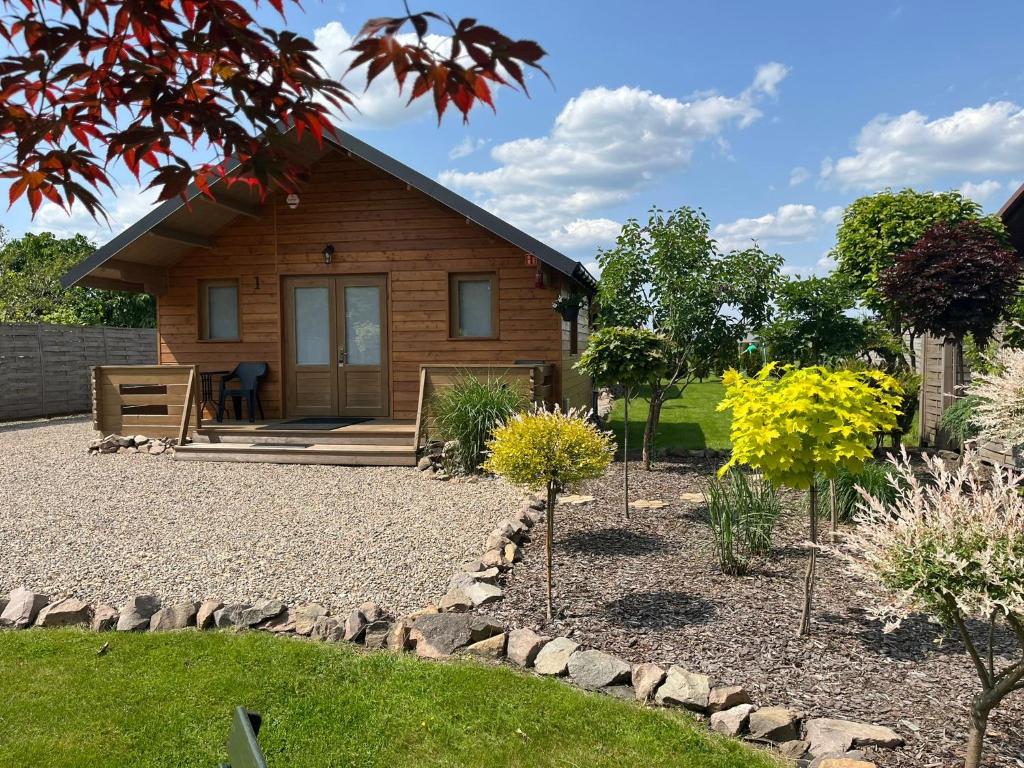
x=341, y=356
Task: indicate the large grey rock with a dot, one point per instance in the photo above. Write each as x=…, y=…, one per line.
x=493, y=558
x=437, y=636
x=243, y=616
x=355, y=626
x=327, y=629
x=371, y=611
x=793, y=750
x=205, y=614
x=597, y=669
x=136, y=613
x=482, y=593
x=176, y=616
x=553, y=658
x=398, y=636
x=104, y=618
x=230, y=615
x=496, y=540
x=683, y=688
x=65, y=613
x=376, y=635
x=283, y=622
x=524, y=645
x=456, y=601
x=424, y=464
x=646, y=679
x=828, y=736
x=727, y=697
x=733, y=721
x=491, y=648
x=23, y=605
x=774, y=724
x=483, y=627
x=305, y=616
x=624, y=692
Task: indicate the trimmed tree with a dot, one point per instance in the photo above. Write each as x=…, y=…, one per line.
x=669, y=275
x=629, y=358
x=549, y=451
x=804, y=423
x=954, y=548
x=954, y=281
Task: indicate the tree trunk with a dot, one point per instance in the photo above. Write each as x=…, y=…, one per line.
x=549, y=539
x=834, y=503
x=625, y=453
x=976, y=736
x=812, y=562
x=651, y=427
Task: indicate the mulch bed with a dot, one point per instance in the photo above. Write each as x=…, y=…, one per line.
x=649, y=589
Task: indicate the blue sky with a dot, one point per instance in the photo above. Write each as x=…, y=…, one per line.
x=769, y=116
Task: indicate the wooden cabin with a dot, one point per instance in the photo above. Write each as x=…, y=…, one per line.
x=363, y=291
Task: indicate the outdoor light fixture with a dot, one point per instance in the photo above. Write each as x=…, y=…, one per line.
x=328, y=253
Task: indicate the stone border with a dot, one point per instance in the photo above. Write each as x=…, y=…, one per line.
x=452, y=629
x=132, y=444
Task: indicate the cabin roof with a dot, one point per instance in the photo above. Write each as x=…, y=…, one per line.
x=173, y=229
x=1012, y=214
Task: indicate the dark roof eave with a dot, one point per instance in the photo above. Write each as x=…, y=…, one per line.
x=345, y=141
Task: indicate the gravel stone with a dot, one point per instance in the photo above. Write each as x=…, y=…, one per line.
x=65, y=613
x=205, y=614
x=104, y=618
x=106, y=527
x=731, y=722
x=524, y=645
x=553, y=658
x=136, y=613
x=596, y=669
x=22, y=607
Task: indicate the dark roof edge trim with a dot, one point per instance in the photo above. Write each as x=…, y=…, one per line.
x=1015, y=201
x=346, y=141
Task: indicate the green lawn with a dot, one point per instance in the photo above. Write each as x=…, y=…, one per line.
x=687, y=422
x=167, y=699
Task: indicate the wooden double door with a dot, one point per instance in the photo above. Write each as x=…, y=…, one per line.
x=336, y=346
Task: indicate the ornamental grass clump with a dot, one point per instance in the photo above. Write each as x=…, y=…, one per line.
x=842, y=494
x=742, y=511
x=550, y=451
x=953, y=547
x=805, y=422
x=466, y=414
x=1000, y=409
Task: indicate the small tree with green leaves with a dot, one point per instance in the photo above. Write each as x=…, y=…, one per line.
x=804, y=423
x=550, y=451
x=953, y=546
x=625, y=357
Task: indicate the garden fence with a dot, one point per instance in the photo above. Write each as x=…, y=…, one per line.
x=44, y=369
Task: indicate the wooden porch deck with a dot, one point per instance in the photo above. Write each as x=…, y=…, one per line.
x=373, y=442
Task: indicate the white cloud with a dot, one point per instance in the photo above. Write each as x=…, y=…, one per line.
x=380, y=105
x=981, y=191
x=912, y=149
x=833, y=214
x=467, y=147
x=604, y=147
x=584, y=233
x=789, y=224
x=125, y=206
x=826, y=263
x=798, y=176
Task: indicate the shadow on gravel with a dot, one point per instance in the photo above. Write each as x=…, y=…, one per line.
x=917, y=638
x=613, y=542
x=660, y=610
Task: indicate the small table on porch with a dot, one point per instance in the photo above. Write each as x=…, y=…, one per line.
x=209, y=394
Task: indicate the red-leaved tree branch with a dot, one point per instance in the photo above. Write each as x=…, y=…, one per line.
x=88, y=84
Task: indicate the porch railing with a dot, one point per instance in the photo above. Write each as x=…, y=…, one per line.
x=536, y=379
x=152, y=400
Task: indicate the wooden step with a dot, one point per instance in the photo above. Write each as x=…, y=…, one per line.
x=373, y=433
x=360, y=454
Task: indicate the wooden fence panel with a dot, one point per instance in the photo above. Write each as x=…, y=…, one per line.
x=44, y=369
x=153, y=400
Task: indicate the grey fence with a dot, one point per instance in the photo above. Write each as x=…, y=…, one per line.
x=44, y=369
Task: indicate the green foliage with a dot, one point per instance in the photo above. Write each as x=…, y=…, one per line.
x=877, y=228
x=466, y=414
x=624, y=356
x=668, y=275
x=165, y=700
x=812, y=324
x=542, y=448
x=742, y=511
x=808, y=420
x=958, y=420
x=874, y=477
x=30, y=289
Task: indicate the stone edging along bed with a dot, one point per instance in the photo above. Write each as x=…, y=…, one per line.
x=451, y=628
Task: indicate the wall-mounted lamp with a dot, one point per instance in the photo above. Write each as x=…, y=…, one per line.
x=328, y=253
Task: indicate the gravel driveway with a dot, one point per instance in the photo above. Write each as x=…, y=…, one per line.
x=107, y=526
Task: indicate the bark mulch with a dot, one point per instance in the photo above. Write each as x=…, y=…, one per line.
x=649, y=589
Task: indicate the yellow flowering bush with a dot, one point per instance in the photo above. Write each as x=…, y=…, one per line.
x=550, y=451
x=541, y=448
x=808, y=420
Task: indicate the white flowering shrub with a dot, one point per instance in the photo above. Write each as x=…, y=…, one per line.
x=1000, y=409
x=952, y=545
